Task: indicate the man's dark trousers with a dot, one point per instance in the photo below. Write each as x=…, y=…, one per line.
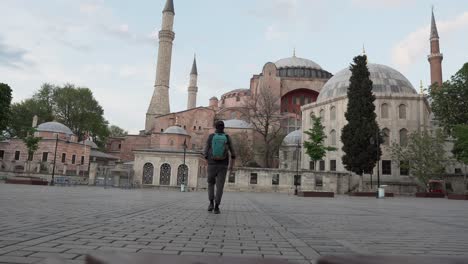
x=216, y=176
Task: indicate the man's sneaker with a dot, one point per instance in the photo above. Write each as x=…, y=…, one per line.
x=210, y=207
x=216, y=210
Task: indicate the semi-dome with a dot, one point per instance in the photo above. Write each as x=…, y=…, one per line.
x=175, y=130
x=293, y=139
x=296, y=62
x=386, y=81
x=236, y=123
x=54, y=127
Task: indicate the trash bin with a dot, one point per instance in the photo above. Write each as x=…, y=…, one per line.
x=381, y=192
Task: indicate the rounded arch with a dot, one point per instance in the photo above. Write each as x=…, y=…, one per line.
x=292, y=101
x=182, y=174
x=165, y=174
x=333, y=137
x=384, y=111
x=386, y=137
x=148, y=173
x=332, y=113
x=322, y=115
x=403, y=137
x=402, y=111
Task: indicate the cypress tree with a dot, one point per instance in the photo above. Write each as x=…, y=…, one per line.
x=362, y=150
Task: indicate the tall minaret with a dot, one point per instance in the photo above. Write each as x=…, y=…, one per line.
x=160, y=101
x=435, y=58
x=193, y=89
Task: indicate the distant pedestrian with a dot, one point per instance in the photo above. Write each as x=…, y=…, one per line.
x=218, y=149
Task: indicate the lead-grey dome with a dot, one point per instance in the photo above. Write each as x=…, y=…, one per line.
x=90, y=143
x=236, y=123
x=54, y=127
x=386, y=81
x=296, y=62
x=293, y=139
x=175, y=130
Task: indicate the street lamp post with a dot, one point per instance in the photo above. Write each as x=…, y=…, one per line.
x=377, y=143
x=182, y=186
x=55, y=159
x=296, y=178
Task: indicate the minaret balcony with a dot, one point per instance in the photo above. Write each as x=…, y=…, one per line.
x=435, y=55
x=166, y=34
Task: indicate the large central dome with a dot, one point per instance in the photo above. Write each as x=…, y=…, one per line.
x=296, y=62
x=386, y=81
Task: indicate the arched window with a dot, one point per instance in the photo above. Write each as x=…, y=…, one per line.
x=322, y=115
x=386, y=137
x=403, y=137
x=182, y=174
x=333, y=113
x=165, y=175
x=148, y=172
x=384, y=111
x=402, y=111
x=333, y=138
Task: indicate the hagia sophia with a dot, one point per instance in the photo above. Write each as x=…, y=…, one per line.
x=167, y=152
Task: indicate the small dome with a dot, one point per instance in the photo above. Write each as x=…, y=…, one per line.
x=90, y=143
x=175, y=130
x=386, y=80
x=214, y=98
x=296, y=62
x=54, y=127
x=236, y=123
x=293, y=138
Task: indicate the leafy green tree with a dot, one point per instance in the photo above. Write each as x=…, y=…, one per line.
x=5, y=105
x=360, y=155
x=314, y=146
x=424, y=155
x=32, y=144
x=73, y=106
x=77, y=108
x=450, y=101
x=115, y=131
x=460, y=149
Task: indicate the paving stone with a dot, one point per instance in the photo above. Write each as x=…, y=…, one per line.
x=83, y=220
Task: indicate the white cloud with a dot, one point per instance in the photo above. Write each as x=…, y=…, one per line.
x=381, y=3
x=416, y=44
x=274, y=33
x=89, y=8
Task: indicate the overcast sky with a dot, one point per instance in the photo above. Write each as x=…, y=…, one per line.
x=111, y=46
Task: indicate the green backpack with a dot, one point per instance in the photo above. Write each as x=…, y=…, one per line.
x=219, y=146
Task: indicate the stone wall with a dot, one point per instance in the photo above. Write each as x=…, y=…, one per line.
x=244, y=180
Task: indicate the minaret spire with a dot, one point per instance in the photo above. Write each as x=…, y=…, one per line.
x=159, y=104
x=193, y=88
x=435, y=57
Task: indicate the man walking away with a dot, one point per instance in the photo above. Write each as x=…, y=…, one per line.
x=217, y=150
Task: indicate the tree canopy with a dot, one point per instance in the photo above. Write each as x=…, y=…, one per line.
x=360, y=155
x=314, y=146
x=450, y=101
x=424, y=155
x=73, y=106
x=263, y=111
x=5, y=107
x=460, y=149
x=115, y=131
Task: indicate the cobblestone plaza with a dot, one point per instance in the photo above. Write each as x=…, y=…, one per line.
x=70, y=222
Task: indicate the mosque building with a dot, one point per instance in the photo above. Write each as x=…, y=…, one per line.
x=168, y=151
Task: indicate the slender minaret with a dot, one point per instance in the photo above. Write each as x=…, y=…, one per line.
x=160, y=101
x=435, y=58
x=193, y=89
